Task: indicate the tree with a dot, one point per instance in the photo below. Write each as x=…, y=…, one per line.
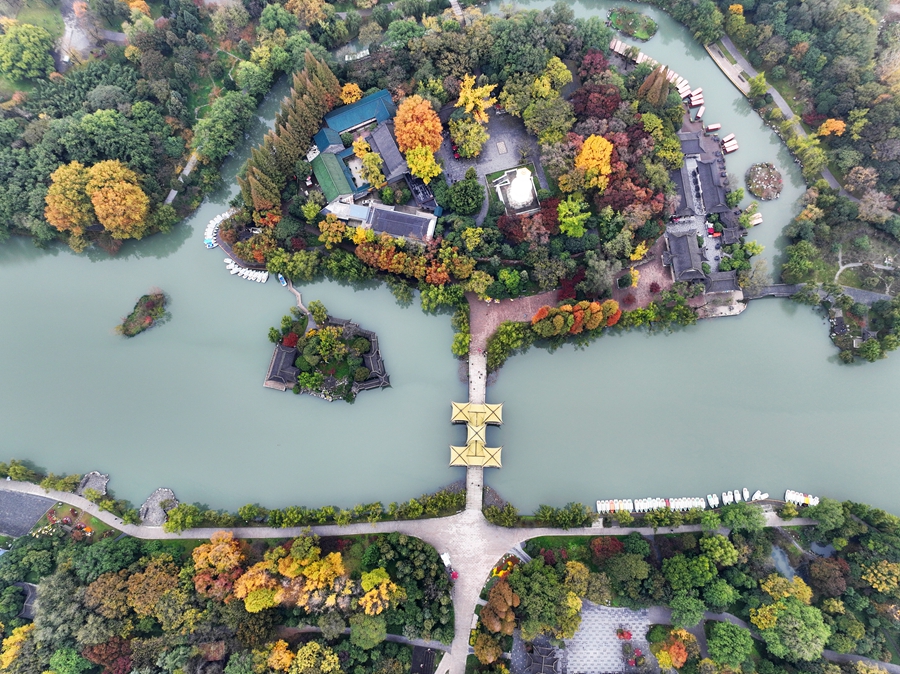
x=417, y=125
x=181, y=517
x=875, y=206
x=331, y=624
x=573, y=214
x=68, y=205
x=467, y=195
x=799, y=632
x=367, y=631
x=595, y=160
x=729, y=644
x=829, y=514
x=25, y=50
x=498, y=614
x=400, y=32
x=68, y=661
x=333, y=231
x=350, y=92
x=319, y=312
x=686, y=611
x=371, y=169
x=309, y=12
x=828, y=576
x=758, y=86
x=719, y=550
x=119, y=203
x=832, y=126
x=469, y=136
x=475, y=100
x=801, y=259
x=743, y=516
x=627, y=567
x=720, y=594
x=216, y=134
x=861, y=179
x=422, y=164
x=314, y=658
x=487, y=648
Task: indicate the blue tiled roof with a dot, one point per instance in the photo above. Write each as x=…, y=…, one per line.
x=377, y=106
x=326, y=138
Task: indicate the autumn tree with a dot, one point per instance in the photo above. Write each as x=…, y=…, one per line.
x=861, y=179
x=487, y=648
x=469, y=136
x=361, y=147
x=257, y=587
x=422, y=164
x=371, y=169
x=417, y=125
x=68, y=205
x=119, y=203
x=475, y=100
x=108, y=595
x=875, y=206
x=655, y=88
x=595, y=160
x=217, y=565
x=832, y=126
x=310, y=12
x=498, y=615
x=314, y=658
x=350, y=93
x=333, y=231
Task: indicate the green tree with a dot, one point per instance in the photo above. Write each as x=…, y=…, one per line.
x=686, y=611
x=729, y=644
x=734, y=197
x=216, y=134
x=720, y=594
x=719, y=550
x=467, y=195
x=573, y=214
x=829, y=514
x=25, y=50
x=68, y=661
x=181, y=517
x=367, y=631
x=758, y=86
x=627, y=567
x=871, y=350
x=319, y=312
x=743, y=516
x=799, y=633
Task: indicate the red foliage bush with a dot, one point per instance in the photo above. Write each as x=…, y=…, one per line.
x=298, y=243
x=114, y=656
x=511, y=226
x=654, y=287
x=606, y=547
x=814, y=119
x=290, y=340
x=628, y=300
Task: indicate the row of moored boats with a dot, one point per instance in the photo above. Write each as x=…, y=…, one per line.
x=643, y=505
x=243, y=272
x=209, y=236
x=799, y=498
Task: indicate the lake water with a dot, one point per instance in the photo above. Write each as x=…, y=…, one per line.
x=756, y=400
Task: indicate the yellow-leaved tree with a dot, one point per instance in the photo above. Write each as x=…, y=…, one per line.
x=68, y=205
x=475, y=100
x=333, y=231
x=350, y=93
x=361, y=147
x=595, y=159
x=422, y=164
x=119, y=203
x=280, y=657
x=12, y=645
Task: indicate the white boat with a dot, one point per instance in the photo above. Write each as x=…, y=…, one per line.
x=700, y=112
x=265, y=277
x=283, y=282
x=764, y=496
x=757, y=495
x=799, y=498
x=746, y=494
x=737, y=495
x=727, y=498
x=730, y=136
x=713, y=127
x=235, y=270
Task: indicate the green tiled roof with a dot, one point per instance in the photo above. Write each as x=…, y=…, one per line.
x=330, y=176
x=377, y=106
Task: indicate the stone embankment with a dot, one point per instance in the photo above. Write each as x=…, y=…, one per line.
x=153, y=512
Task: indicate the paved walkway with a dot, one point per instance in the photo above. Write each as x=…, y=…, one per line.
x=485, y=317
x=474, y=545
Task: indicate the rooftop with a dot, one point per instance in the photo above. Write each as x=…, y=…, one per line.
x=331, y=176
x=382, y=141
x=684, y=256
x=722, y=282
x=377, y=107
x=328, y=139
x=401, y=223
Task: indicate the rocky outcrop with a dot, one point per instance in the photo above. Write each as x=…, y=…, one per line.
x=153, y=512
x=93, y=480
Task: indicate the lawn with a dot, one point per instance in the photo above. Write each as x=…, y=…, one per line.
x=43, y=14
x=789, y=92
x=632, y=23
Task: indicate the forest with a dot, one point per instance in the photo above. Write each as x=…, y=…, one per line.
x=121, y=605
x=844, y=599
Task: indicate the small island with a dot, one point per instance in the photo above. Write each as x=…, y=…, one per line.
x=148, y=311
x=632, y=23
x=330, y=358
x=764, y=181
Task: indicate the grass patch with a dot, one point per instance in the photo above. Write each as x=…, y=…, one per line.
x=789, y=93
x=850, y=277
x=632, y=23
x=43, y=14
x=726, y=53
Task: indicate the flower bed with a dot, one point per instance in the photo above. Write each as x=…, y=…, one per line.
x=632, y=23
x=148, y=310
x=764, y=181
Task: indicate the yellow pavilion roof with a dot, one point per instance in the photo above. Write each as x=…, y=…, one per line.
x=476, y=416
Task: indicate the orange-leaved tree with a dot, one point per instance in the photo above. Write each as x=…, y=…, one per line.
x=417, y=125
x=832, y=126
x=119, y=203
x=595, y=159
x=68, y=205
